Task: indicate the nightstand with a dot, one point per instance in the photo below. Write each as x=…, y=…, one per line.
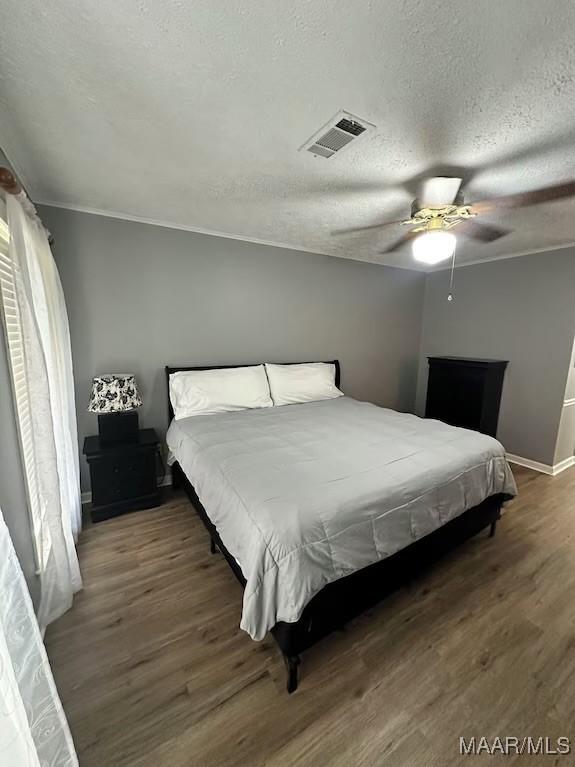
x=123, y=475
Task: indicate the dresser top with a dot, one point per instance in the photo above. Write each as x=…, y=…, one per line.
x=469, y=360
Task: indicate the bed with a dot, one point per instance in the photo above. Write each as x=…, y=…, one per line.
x=323, y=508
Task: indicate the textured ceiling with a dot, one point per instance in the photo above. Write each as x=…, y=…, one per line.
x=191, y=113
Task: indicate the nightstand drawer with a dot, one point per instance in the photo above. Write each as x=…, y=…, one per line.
x=123, y=475
x=118, y=478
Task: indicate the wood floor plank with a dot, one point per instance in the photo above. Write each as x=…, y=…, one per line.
x=153, y=669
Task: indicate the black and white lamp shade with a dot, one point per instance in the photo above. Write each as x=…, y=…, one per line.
x=114, y=393
x=115, y=398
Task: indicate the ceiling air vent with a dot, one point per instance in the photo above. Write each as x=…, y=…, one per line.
x=341, y=130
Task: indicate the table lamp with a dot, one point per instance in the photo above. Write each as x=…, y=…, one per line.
x=114, y=398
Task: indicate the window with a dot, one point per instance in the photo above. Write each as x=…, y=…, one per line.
x=9, y=281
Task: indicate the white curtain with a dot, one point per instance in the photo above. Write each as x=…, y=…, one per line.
x=48, y=368
x=33, y=728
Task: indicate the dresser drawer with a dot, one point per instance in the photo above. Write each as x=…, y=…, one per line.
x=119, y=478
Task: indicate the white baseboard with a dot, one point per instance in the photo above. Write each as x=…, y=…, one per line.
x=562, y=465
x=544, y=468
x=165, y=482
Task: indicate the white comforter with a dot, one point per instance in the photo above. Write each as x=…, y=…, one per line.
x=302, y=495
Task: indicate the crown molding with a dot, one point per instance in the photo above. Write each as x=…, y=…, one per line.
x=487, y=260
x=212, y=233
x=274, y=244
x=178, y=227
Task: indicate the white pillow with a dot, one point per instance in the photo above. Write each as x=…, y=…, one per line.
x=302, y=383
x=208, y=392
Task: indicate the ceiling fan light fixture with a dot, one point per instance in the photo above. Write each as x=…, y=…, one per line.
x=434, y=247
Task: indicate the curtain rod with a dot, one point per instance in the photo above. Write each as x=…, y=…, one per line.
x=9, y=182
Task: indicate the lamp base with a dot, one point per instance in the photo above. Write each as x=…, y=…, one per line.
x=118, y=428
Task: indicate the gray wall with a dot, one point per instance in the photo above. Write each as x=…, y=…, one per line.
x=140, y=297
x=521, y=310
x=13, y=500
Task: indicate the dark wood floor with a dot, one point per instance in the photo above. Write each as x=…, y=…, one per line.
x=153, y=670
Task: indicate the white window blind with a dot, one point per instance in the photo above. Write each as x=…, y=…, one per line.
x=9, y=281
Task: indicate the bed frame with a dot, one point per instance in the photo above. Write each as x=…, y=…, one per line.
x=344, y=599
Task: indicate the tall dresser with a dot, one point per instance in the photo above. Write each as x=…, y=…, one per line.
x=465, y=392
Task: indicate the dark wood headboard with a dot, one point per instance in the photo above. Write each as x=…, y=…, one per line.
x=169, y=370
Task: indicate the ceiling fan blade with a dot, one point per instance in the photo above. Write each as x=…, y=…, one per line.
x=366, y=228
x=482, y=232
x=522, y=199
x=399, y=243
x=441, y=190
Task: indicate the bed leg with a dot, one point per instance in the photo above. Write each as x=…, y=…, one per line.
x=292, y=663
x=213, y=548
x=492, y=528
x=176, y=476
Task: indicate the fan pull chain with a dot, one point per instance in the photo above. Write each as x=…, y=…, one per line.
x=450, y=294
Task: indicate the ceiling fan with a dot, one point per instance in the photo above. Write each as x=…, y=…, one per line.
x=440, y=207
